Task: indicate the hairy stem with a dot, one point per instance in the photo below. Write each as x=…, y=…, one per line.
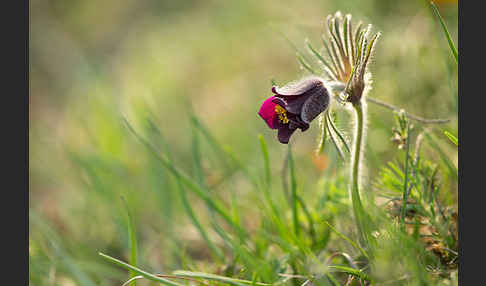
x=409, y=115
x=355, y=171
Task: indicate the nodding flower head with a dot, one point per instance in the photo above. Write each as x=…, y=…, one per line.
x=348, y=54
x=294, y=106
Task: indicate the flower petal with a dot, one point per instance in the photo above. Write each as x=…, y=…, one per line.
x=297, y=122
x=284, y=133
x=314, y=105
x=297, y=88
x=267, y=112
x=294, y=105
x=278, y=101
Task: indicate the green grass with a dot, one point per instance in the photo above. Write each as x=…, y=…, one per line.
x=446, y=31
x=157, y=104
x=132, y=235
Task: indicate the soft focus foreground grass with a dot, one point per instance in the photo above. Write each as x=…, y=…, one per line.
x=156, y=62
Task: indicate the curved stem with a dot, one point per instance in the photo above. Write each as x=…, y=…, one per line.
x=409, y=115
x=337, y=87
x=355, y=169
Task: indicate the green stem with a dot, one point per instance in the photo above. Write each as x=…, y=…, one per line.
x=293, y=189
x=355, y=197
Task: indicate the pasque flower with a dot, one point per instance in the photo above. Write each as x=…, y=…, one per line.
x=294, y=106
x=345, y=77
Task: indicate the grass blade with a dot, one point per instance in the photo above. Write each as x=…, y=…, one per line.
x=293, y=191
x=405, y=184
x=215, y=251
x=358, y=273
x=446, y=31
x=196, y=158
x=354, y=244
x=192, y=216
x=132, y=235
x=55, y=244
x=211, y=140
x=214, y=277
x=451, y=137
x=199, y=190
x=447, y=161
x=266, y=160
x=312, y=230
x=139, y=271
x=241, y=251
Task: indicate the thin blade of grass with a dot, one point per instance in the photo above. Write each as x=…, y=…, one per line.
x=211, y=140
x=240, y=250
x=451, y=137
x=223, y=153
x=196, y=158
x=197, y=189
x=132, y=236
x=293, y=191
x=358, y=273
x=266, y=160
x=139, y=271
x=55, y=242
x=312, y=231
x=244, y=168
x=354, y=244
x=214, y=277
x=446, y=31
x=332, y=280
x=215, y=251
x=443, y=155
x=405, y=184
x=198, y=170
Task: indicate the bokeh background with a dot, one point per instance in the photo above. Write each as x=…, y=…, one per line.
x=94, y=62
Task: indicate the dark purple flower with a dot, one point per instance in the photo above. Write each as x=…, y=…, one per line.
x=294, y=106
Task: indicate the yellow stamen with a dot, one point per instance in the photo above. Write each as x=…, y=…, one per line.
x=282, y=114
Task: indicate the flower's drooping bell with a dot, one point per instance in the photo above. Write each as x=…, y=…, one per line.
x=294, y=106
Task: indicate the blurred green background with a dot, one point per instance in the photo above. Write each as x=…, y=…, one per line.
x=92, y=62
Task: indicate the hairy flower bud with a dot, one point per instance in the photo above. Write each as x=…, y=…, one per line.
x=348, y=55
